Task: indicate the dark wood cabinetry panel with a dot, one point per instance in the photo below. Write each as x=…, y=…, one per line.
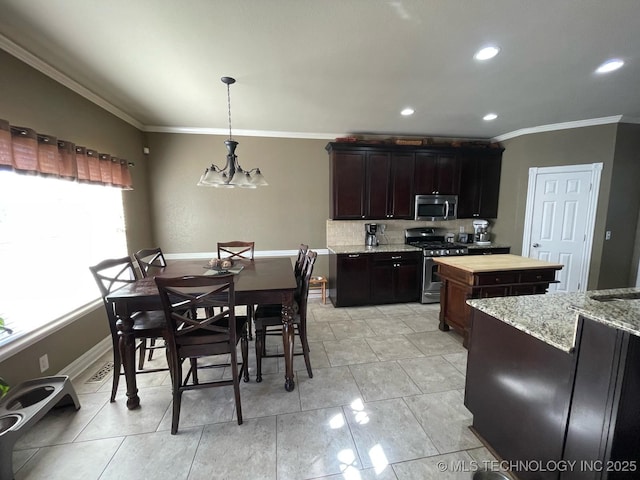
x=349, y=279
x=489, y=250
x=437, y=173
x=380, y=181
x=347, y=185
x=479, y=184
x=374, y=278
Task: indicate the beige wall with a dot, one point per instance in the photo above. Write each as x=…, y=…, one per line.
x=29, y=98
x=293, y=209
x=614, y=145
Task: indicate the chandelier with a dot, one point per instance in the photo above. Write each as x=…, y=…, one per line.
x=232, y=175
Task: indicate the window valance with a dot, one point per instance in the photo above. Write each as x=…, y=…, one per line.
x=25, y=151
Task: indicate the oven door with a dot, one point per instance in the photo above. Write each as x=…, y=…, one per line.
x=430, y=281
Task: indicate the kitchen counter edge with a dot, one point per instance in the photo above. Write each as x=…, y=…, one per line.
x=553, y=317
x=398, y=247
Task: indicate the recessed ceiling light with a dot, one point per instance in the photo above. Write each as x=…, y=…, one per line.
x=610, y=66
x=407, y=111
x=486, y=53
x=490, y=116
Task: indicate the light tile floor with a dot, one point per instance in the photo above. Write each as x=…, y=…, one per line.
x=385, y=402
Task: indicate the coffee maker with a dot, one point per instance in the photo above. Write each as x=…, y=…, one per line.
x=481, y=235
x=370, y=237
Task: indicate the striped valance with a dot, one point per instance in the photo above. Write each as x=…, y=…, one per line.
x=26, y=151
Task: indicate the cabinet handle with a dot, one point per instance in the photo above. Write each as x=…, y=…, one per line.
x=354, y=255
x=476, y=214
x=396, y=258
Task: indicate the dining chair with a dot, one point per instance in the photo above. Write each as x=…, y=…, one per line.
x=268, y=319
x=150, y=261
x=302, y=255
x=238, y=249
x=210, y=334
x=110, y=275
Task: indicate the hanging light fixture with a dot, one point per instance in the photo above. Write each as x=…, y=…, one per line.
x=232, y=175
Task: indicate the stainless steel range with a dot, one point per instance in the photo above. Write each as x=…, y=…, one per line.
x=432, y=245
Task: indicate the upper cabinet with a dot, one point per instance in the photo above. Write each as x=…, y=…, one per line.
x=479, y=184
x=437, y=173
x=377, y=182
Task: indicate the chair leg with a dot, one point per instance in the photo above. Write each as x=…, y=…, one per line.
x=244, y=346
x=117, y=365
x=194, y=370
x=152, y=344
x=236, y=384
x=250, y=314
x=305, y=349
x=259, y=353
x=142, y=353
x=176, y=384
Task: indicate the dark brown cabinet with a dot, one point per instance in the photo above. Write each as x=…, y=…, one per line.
x=437, y=173
x=349, y=279
x=374, y=278
x=479, y=184
x=394, y=277
x=489, y=251
x=379, y=182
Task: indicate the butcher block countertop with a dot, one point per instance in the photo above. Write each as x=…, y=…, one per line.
x=492, y=263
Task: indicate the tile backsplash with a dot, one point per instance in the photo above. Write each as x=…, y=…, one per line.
x=351, y=232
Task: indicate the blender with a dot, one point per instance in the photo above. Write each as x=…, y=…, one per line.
x=370, y=237
x=481, y=235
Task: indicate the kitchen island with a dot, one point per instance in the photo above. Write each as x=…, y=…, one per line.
x=483, y=276
x=555, y=380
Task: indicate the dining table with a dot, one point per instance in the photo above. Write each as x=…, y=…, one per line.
x=260, y=281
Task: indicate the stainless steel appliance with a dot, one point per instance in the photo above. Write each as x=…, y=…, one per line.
x=432, y=245
x=370, y=236
x=481, y=234
x=436, y=207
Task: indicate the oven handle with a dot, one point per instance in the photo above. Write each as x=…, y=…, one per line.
x=446, y=211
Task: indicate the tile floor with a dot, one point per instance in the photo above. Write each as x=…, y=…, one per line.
x=385, y=402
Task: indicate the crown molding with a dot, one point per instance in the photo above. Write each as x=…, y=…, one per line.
x=242, y=133
x=561, y=126
x=43, y=67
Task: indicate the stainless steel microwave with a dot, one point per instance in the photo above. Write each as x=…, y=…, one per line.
x=436, y=207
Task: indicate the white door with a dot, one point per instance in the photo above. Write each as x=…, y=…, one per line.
x=560, y=219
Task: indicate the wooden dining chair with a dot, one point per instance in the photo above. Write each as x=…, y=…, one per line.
x=210, y=334
x=239, y=250
x=236, y=249
x=268, y=319
x=150, y=261
x=110, y=275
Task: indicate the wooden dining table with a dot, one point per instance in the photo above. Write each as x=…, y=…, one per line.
x=261, y=281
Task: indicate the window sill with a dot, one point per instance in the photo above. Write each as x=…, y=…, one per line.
x=19, y=341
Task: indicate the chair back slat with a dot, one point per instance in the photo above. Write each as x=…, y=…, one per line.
x=302, y=255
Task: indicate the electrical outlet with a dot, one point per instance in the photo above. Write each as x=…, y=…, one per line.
x=44, y=363
x=607, y=235
x=461, y=228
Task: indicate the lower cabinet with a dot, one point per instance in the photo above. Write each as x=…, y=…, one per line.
x=489, y=250
x=374, y=278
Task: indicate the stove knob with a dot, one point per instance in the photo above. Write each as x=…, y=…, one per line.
x=431, y=253
x=444, y=252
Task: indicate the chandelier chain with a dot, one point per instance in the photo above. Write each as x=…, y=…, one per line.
x=229, y=106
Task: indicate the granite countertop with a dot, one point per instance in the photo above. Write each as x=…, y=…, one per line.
x=394, y=247
x=553, y=317
x=491, y=263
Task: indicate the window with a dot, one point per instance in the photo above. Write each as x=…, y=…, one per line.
x=51, y=231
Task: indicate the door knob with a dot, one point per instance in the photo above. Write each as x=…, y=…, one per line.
x=535, y=245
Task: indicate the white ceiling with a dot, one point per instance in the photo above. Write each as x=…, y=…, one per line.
x=323, y=68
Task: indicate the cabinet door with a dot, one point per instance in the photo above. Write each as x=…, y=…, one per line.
x=348, y=185
x=407, y=282
x=352, y=280
x=479, y=184
x=382, y=288
x=436, y=173
x=378, y=168
x=401, y=194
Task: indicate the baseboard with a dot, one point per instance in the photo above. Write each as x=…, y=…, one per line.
x=80, y=364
